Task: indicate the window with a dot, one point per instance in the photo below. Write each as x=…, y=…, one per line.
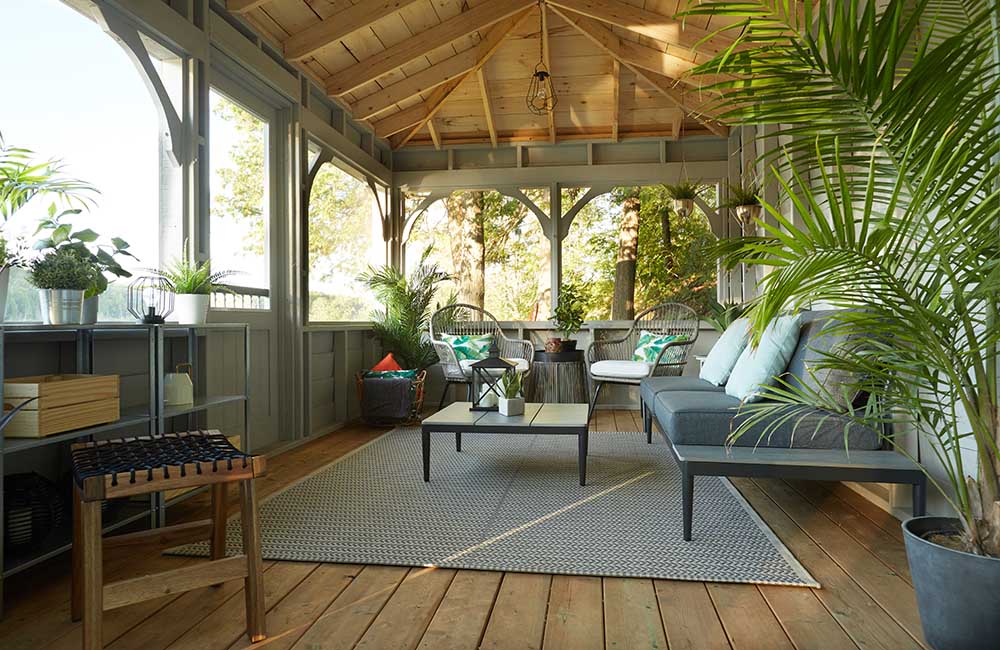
x=670, y=263
x=240, y=212
x=345, y=238
x=97, y=117
x=494, y=248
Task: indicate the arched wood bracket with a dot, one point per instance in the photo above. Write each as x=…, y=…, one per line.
x=382, y=204
x=129, y=38
x=411, y=219
x=567, y=219
x=714, y=218
x=518, y=195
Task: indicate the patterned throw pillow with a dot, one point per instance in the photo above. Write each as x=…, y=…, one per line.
x=392, y=374
x=471, y=347
x=650, y=344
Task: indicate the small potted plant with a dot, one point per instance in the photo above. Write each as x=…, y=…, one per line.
x=62, y=276
x=745, y=202
x=193, y=284
x=683, y=195
x=511, y=402
x=568, y=318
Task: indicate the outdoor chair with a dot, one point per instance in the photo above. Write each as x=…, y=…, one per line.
x=612, y=361
x=469, y=320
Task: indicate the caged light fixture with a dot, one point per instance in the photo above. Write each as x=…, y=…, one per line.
x=541, y=98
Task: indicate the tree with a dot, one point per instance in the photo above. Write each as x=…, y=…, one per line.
x=466, y=237
x=623, y=298
x=244, y=181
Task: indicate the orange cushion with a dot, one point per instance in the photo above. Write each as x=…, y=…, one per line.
x=388, y=363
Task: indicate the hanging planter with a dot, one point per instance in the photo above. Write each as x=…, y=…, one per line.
x=744, y=200
x=682, y=196
x=747, y=215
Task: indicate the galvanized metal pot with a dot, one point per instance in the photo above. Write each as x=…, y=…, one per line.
x=90, y=308
x=957, y=592
x=61, y=306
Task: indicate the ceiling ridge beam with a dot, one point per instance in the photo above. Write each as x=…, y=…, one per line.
x=479, y=17
x=331, y=29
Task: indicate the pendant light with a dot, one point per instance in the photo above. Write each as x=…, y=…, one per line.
x=541, y=98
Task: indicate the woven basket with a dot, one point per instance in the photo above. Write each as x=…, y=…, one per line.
x=413, y=411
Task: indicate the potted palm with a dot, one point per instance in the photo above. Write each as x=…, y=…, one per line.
x=193, y=283
x=682, y=196
x=62, y=276
x=22, y=179
x=899, y=225
x=568, y=318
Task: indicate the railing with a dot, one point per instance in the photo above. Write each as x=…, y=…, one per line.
x=230, y=296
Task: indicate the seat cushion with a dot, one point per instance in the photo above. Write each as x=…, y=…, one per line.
x=520, y=365
x=723, y=356
x=650, y=386
x=707, y=418
x=761, y=365
x=620, y=369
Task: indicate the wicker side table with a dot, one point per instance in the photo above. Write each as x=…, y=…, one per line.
x=558, y=378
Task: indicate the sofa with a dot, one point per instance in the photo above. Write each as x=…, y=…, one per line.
x=696, y=418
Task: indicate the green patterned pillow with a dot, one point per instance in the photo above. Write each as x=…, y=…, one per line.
x=471, y=347
x=391, y=374
x=650, y=344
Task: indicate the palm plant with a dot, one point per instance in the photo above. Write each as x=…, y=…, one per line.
x=406, y=309
x=894, y=107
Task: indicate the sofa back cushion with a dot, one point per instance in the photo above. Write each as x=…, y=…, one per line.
x=724, y=354
x=816, y=341
x=760, y=366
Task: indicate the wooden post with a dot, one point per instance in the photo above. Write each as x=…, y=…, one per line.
x=254, y=582
x=92, y=589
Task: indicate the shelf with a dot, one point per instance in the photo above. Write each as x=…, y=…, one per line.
x=201, y=404
x=130, y=417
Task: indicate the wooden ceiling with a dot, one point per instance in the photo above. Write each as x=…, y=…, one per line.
x=447, y=72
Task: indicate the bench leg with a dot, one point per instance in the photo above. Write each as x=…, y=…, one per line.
x=687, y=488
x=92, y=588
x=919, y=499
x=253, y=584
x=76, y=595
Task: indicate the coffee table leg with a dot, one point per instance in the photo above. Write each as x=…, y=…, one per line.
x=584, y=443
x=458, y=441
x=425, y=440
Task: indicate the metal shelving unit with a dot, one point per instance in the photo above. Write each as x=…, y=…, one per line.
x=152, y=417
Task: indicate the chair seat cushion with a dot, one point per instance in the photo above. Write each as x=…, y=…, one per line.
x=707, y=417
x=651, y=386
x=520, y=365
x=620, y=369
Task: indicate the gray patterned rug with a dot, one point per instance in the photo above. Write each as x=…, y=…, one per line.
x=514, y=503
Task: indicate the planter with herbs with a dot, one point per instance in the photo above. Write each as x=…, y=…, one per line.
x=62, y=276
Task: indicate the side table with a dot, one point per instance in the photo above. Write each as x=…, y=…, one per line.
x=558, y=378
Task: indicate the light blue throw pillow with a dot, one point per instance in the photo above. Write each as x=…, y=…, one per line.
x=723, y=355
x=759, y=366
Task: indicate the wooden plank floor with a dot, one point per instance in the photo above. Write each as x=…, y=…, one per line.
x=853, y=548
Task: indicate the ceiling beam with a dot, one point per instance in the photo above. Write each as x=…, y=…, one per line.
x=243, y=6
x=667, y=87
x=335, y=27
x=400, y=54
x=435, y=137
x=414, y=84
x=548, y=66
x=634, y=54
x=649, y=23
x=484, y=90
x=491, y=41
x=616, y=73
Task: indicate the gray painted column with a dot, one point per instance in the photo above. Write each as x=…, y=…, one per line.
x=555, y=239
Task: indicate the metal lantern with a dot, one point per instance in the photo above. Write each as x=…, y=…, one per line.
x=151, y=299
x=541, y=97
x=483, y=377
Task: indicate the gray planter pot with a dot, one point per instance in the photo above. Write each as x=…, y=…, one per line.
x=957, y=592
x=61, y=306
x=90, y=308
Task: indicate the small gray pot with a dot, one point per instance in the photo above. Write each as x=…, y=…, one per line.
x=91, y=306
x=957, y=592
x=61, y=306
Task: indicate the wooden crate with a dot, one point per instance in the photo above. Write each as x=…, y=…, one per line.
x=65, y=403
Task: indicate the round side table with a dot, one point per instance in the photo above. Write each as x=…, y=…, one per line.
x=558, y=378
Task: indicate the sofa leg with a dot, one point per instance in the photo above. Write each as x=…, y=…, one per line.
x=687, y=480
x=919, y=499
x=598, y=385
x=647, y=423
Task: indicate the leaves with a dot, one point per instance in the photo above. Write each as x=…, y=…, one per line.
x=22, y=179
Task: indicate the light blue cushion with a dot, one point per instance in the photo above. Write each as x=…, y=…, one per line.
x=759, y=366
x=723, y=355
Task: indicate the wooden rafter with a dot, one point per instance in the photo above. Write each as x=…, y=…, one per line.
x=616, y=71
x=548, y=66
x=423, y=81
x=393, y=57
x=435, y=136
x=491, y=41
x=243, y=6
x=484, y=90
x=335, y=27
x=648, y=23
x=667, y=87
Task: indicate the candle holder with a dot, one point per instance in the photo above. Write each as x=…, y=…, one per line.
x=151, y=299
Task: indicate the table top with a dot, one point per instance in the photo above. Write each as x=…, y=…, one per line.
x=539, y=417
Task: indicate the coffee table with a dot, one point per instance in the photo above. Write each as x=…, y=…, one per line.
x=554, y=419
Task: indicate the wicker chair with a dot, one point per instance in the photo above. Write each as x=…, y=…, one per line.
x=610, y=361
x=469, y=320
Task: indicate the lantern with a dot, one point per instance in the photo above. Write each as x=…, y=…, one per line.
x=151, y=299
x=486, y=373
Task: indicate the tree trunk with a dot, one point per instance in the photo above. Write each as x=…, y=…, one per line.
x=465, y=230
x=623, y=299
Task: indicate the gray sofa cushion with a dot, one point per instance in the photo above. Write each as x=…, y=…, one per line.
x=702, y=417
x=650, y=386
x=815, y=339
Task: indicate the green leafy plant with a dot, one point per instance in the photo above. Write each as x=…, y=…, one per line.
x=894, y=105
x=56, y=233
x=511, y=383
x=724, y=314
x=571, y=308
x=683, y=190
x=405, y=315
x=191, y=277
x=740, y=195
x=62, y=268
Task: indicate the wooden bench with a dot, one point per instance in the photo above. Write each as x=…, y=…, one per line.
x=812, y=464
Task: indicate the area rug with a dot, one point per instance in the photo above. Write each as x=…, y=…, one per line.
x=514, y=503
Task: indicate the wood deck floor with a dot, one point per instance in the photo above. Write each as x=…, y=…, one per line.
x=850, y=546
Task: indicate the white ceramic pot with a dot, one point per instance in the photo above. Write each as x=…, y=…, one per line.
x=4, y=283
x=191, y=308
x=512, y=406
x=61, y=306
x=91, y=306
x=683, y=207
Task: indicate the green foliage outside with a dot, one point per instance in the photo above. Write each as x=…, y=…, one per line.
x=243, y=187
